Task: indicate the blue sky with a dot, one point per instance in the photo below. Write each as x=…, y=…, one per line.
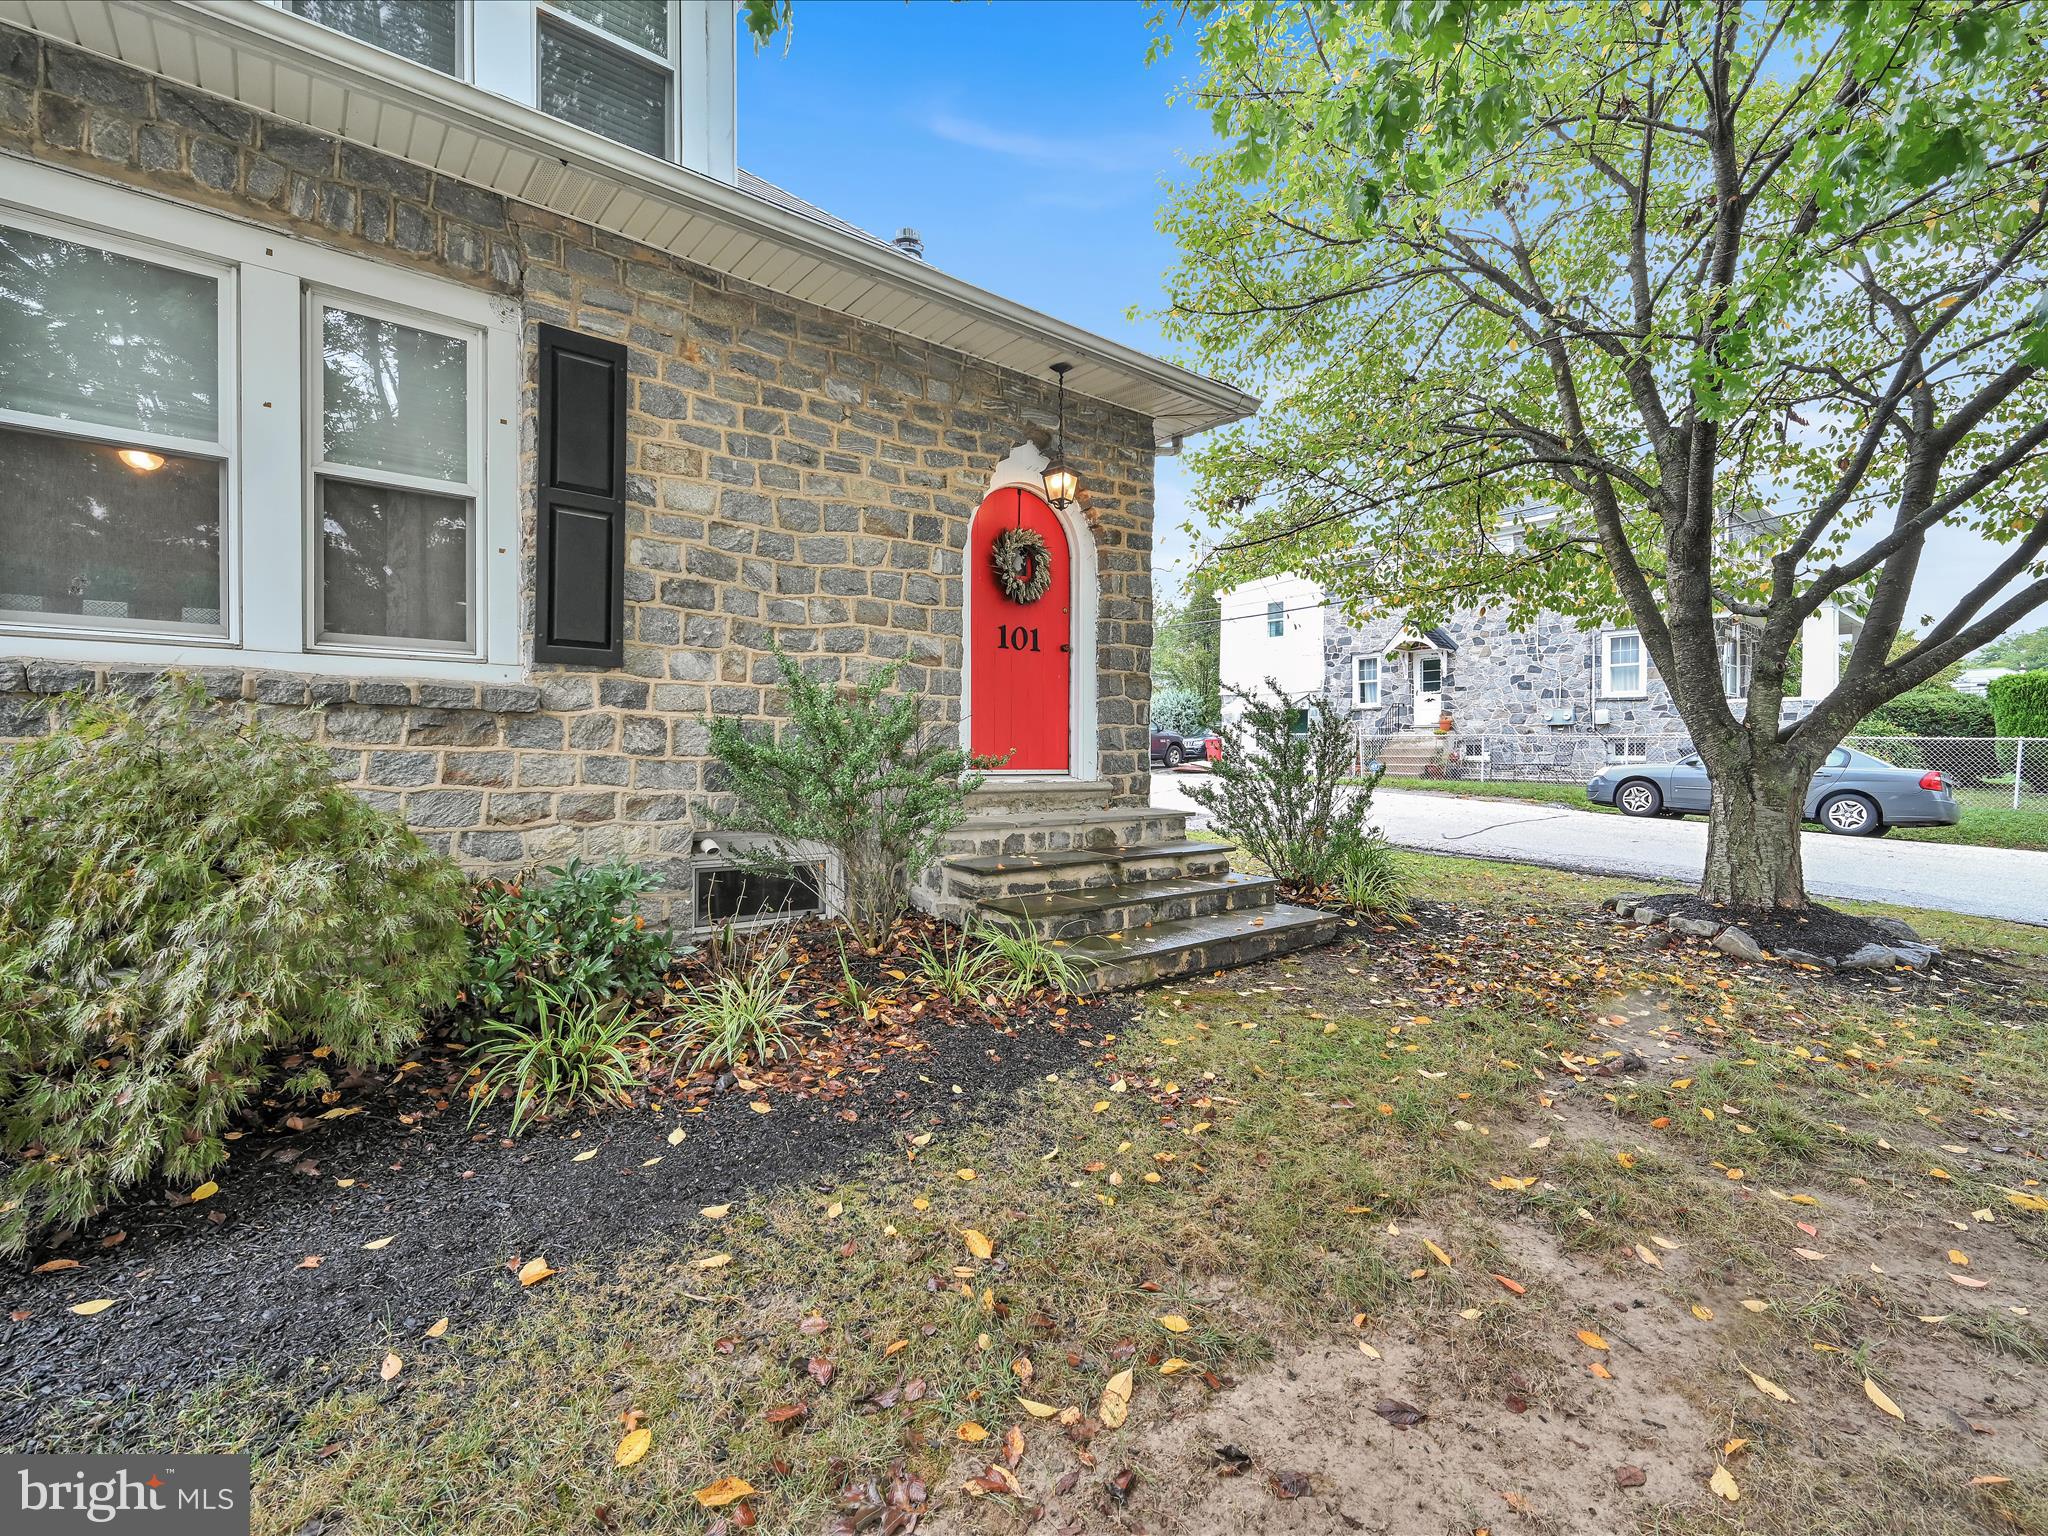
x=1025, y=140
x=1028, y=142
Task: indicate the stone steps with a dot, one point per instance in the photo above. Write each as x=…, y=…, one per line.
x=1409, y=753
x=1197, y=945
x=1127, y=906
x=1127, y=894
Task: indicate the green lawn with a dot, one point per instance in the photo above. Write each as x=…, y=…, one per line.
x=1982, y=826
x=1426, y=1164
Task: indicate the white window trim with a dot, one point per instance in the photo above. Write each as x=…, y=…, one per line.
x=1276, y=613
x=264, y=598
x=1359, y=686
x=1744, y=640
x=221, y=448
x=503, y=58
x=1642, y=665
x=470, y=488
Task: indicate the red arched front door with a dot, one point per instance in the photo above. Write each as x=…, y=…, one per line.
x=1019, y=703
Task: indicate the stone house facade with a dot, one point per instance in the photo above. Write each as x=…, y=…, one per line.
x=800, y=474
x=1548, y=694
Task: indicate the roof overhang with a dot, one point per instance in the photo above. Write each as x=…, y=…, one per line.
x=276, y=63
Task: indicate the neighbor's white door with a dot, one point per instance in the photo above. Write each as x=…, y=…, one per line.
x=1427, y=669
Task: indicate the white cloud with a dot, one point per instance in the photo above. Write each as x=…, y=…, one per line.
x=1105, y=154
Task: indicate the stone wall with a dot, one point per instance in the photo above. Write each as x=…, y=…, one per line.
x=796, y=478
x=1499, y=682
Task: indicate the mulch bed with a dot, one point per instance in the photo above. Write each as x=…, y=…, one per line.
x=209, y=1290
x=1818, y=930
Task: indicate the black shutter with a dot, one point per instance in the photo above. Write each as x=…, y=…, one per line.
x=580, y=585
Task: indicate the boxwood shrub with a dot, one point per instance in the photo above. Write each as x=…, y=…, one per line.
x=184, y=897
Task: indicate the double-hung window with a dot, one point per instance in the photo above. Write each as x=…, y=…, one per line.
x=1365, y=682
x=1276, y=620
x=608, y=65
x=220, y=446
x=116, y=433
x=1738, y=660
x=1621, y=665
x=611, y=66
x=428, y=32
x=396, y=474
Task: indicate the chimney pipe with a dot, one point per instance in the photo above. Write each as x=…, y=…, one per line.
x=910, y=243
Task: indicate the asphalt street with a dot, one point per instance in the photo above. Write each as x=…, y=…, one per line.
x=1991, y=882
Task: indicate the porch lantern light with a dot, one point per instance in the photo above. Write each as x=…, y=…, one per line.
x=1061, y=483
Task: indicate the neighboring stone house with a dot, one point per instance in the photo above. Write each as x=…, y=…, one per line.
x=433, y=382
x=1472, y=688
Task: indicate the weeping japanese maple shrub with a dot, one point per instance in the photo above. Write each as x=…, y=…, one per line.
x=185, y=898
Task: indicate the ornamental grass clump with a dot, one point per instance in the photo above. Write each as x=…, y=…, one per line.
x=184, y=897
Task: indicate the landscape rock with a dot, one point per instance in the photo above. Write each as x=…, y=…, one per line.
x=1871, y=957
x=1733, y=941
x=1698, y=927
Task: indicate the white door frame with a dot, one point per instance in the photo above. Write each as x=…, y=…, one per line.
x=1429, y=708
x=1024, y=468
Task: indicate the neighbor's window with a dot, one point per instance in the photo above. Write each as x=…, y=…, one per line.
x=1621, y=663
x=428, y=32
x=396, y=477
x=1276, y=619
x=1627, y=749
x=1738, y=660
x=608, y=65
x=113, y=439
x=1365, y=682
x=1297, y=721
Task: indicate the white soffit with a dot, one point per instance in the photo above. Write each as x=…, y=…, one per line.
x=278, y=64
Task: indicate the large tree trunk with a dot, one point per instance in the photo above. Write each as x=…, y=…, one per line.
x=1753, y=856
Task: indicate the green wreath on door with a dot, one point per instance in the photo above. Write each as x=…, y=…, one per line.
x=1023, y=564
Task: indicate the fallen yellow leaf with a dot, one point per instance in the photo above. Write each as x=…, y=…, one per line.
x=437, y=1330
x=1877, y=1395
x=1172, y=1322
x=391, y=1367
x=1768, y=1387
x=205, y=1191
x=93, y=1308
x=712, y=1261
x=714, y=1212
x=1591, y=1339
x=1116, y=1400
x=675, y=1137
x=971, y=1432
x=980, y=1244
x=584, y=1157
x=1437, y=1253
x=1037, y=1410
x=1723, y=1483
x=727, y=1490
x=636, y=1444
x=533, y=1271
x=382, y=1242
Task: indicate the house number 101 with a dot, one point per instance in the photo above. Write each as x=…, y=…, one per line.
x=1018, y=638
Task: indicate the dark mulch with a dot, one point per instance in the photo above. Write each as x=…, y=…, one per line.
x=212, y=1290
x=1818, y=930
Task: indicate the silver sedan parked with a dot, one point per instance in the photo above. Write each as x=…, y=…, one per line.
x=1853, y=793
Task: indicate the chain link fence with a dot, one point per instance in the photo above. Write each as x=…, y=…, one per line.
x=2007, y=773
